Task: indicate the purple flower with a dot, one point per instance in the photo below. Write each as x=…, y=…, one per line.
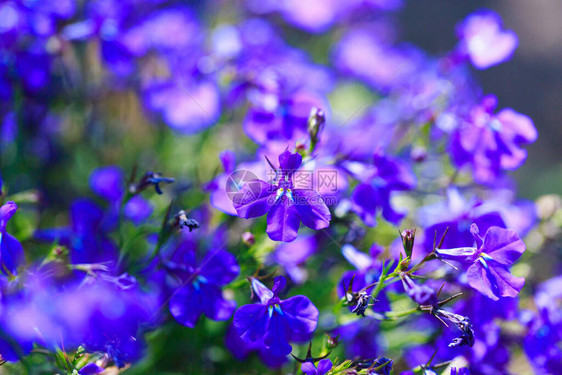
x=490, y=143
x=242, y=349
x=484, y=41
x=275, y=320
x=488, y=264
x=292, y=256
x=361, y=338
x=286, y=207
x=374, y=193
x=460, y=371
x=544, y=328
x=457, y=214
x=369, y=54
x=185, y=105
x=109, y=183
x=85, y=237
x=11, y=251
x=198, y=285
x=323, y=367
x=281, y=118
x=103, y=313
x=422, y=295
x=90, y=369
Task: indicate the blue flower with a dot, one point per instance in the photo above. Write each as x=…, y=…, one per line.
x=198, y=285
x=323, y=367
x=11, y=251
x=488, y=264
x=285, y=205
x=373, y=194
x=86, y=237
x=275, y=320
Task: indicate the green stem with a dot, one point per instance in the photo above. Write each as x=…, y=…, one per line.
x=401, y=314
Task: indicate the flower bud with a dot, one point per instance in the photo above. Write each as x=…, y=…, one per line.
x=408, y=237
x=332, y=342
x=418, y=154
x=248, y=238
x=405, y=263
x=316, y=121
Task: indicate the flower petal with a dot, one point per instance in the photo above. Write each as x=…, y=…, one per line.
x=356, y=258
x=185, y=305
x=215, y=306
x=219, y=267
x=364, y=203
x=6, y=212
x=263, y=292
x=504, y=245
x=283, y=221
x=254, y=199
x=289, y=161
x=508, y=285
x=251, y=322
x=494, y=281
x=278, y=284
x=301, y=316
x=313, y=212
x=479, y=280
x=309, y=369
x=11, y=253
x=108, y=182
x=324, y=366
x=275, y=337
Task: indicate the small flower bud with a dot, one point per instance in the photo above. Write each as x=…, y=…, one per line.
x=418, y=154
x=332, y=342
x=405, y=264
x=408, y=236
x=316, y=121
x=248, y=238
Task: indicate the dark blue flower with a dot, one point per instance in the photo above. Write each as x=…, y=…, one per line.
x=109, y=183
x=85, y=237
x=11, y=251
x=285, y=205
x=460, y=371
x=197, y=286
x=275, y=320
x=373, y=194
x=322, y=368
